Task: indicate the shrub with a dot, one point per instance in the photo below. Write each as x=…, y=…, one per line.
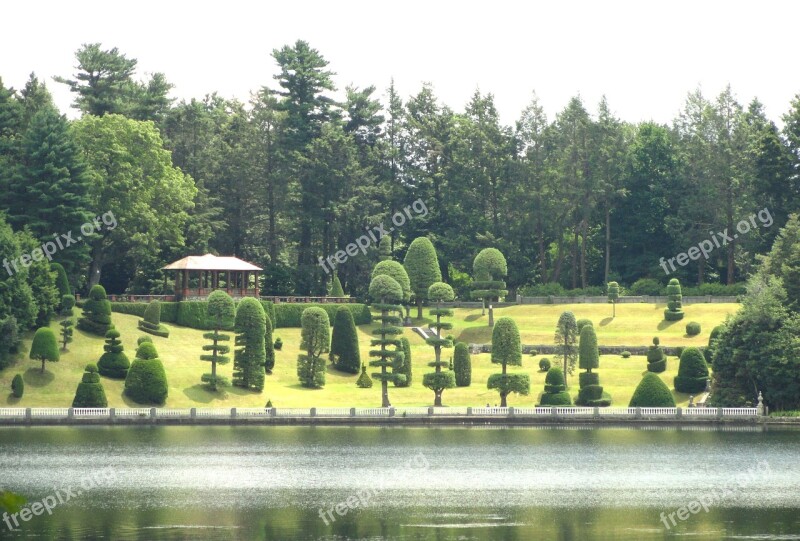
x=250, y=354
x=582, y=323
x=488, y=269
x=288, y=314
x=62, y=283
x=67, y=305
x=345, y=352
x=462, y=365
x=656, y=359
x=17, y=386
x=390, y=355
x=96, y=313
x=692, y=372
x=588, y=354
x=151, y=323
x=625, y=354
x=422, y=266
x=221, y=312
x=278, y=344
x=66, y=332
x=652, y=392
x=555, y=390
x=674, y=311
x=712, y=343
x=44, y=347
x=113, y=363
x=147, y=381
x=315, y=340
x=646, y=286
x=90, y=392
x=142, y=339
x=506, y=351
x=364, y=381
x=336, y=288
x=269, y=346
x=588, y=378
x=406, y=369
x=693, y=328
x=544, y=365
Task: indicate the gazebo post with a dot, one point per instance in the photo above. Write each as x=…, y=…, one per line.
x=256, y=284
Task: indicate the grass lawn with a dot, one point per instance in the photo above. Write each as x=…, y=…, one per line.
x=635, y=324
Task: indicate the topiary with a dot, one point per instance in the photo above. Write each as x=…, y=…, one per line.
x=422, y=267
x=674, y=311
x=582, y=323
x=17, y=386
x=387, y=293
x=544, y=365
x=62, y=283
x=693, y=328
x=142, y=339
x=407, y=368
x=67, y=305
x=336, y=288
x=364, y=381
x=251, y=353
x=66, y=332
x=345, y=352
x=506, y=350
x=443, y=377
x=555, y=390
x=656, y=359
x=113, y=363
x=269, y=346
x=462, y=365
x=712, y=343
x=151, y=322
x=90, y=392
x=652, y=392
x=146, y=382
x=488, y=269
x=591, y=392
x=613, y=296
x=44, y=347
x=625, y=354
x=692, y=375
x=278, y=344
x=96, y=312
x=315, y=340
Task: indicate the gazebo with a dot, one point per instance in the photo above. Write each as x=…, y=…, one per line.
x=198, y=275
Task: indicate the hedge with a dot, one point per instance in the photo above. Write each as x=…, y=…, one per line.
x=17, y=386
x=288, y=314
x=147, y=382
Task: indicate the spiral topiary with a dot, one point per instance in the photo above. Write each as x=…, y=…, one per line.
x=674, y=311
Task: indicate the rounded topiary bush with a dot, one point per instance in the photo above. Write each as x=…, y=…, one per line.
x=113, y=363
x=625, y=354
x=656, y=359
x=278, y=344
x=544, y=364
x=652, y=392
x=96, y=312
x=142, y=339
x=364, y=381
x=151, y=323
x=692, y=372
x=90, y=392
x=583, y=322
x=17, y=386
x=693, y=328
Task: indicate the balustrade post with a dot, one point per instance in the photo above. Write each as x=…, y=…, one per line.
x=112, y=414
x=313, y=412
x=596, y=412
x=430, y=410
x=153, y=413
x=193, y=413
x=233, y=413
x=638, y=413
x=678, y=413
x=70, y=413
x=469, y=410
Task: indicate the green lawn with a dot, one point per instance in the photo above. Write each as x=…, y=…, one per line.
x=635, y=324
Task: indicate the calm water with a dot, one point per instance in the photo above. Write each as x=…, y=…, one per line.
x=443, y=484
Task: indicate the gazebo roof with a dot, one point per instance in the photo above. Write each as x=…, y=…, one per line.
x=211, y=262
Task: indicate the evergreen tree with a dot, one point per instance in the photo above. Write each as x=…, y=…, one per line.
x=406, y=369
x=422, y=266
x=315, y=340
x=113, y=363
x=250, y=355
x=489, y=266
x=462, y=365
x=613, y=296
x=555, y=390
x=591, y=392
x=336, y=288
x=16, y=296
x=439, y=380
x=506, y=350
x=674, y=310
x=90, y=392
x=62, y=283
x=146, y=382
x=396, y=271
x=44, y=347
x=345, y=353
x=66, y=332
x=41, y=279
x=221, y=312
x=566, y=341
x=269, y=346
x=387, y=292
x=96, y=312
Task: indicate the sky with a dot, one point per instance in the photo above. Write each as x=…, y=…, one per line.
x=644, y=56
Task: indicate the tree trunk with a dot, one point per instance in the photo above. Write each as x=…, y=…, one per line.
x=437, y=401
x=584, y=226
x=419, y=308
x=98, y=251
x=608, y=246
x=491, y=315
x=565, y=363
x=43, y=365
x=503, y=402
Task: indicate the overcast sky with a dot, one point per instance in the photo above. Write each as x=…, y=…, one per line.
x=643, y=55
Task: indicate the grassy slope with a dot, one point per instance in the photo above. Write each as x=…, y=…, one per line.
x=634, y=325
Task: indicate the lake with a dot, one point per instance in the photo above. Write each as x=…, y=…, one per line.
x=390, y=483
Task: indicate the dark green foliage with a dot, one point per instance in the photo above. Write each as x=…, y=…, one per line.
x=589, y=355
x=269, y=346
x=646, y=286
x=278, y=344
x=16, y=295
x=692, y=372
x=712, y=343
x=462, y=365
x=581, y=323
x=44, y=347
x=151, y=322
x=17, y=386
x=506, y=384
x=422, y=266
x=146, y=382
x=613, y=296
x=506, y=348
x=9, y=337
x=96, y=313
x=406, y=370
x=288, y=314
x=142, y=339
x=315, y=339
x=66, y=332
x=146, y=351
x=555, y=393
x=674, y=311
x=364, y=381
x=388, y=292
x=62, y=283
x=488, y=269
x=221, y=312
x=656, y=359
x=626, y=354
x=67, y=304
x=437, y=293
x=652, y=392
x=90, y=392
x=693, y=328
x=566, y=341
x=113, y=363
x=345, y=352
x=588, y=378
x=250, y=354
x=336, y=288
x=544, y=365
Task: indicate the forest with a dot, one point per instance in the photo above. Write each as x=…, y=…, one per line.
x=293, y=175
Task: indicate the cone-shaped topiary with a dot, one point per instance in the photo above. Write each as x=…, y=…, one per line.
x=387, y=293
x=591, y=392
x=440, y=379
x=674, y=310
x=113, y=363
x=44, y=347
x=221, y=312
x=506, y=350
x=422, y=265
x=385, y=248
x=652, y=392
x=146, y=382
x=96, y=312
x=555, y=391
x=364, y=381
x=488, y=269
x=90, y=393
x=656, y=359
x=269, y=347
x=336, y=288
x=462, y=365
x=712, y=343
x=151, y=323
x=406, y=369
x=251, y=353
x=345, y=353
x=315, y=339
x=62, y=283
x=17, y=386
x=692, y=372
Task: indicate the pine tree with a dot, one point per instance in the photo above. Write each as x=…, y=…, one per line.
x=221, y=312
x=506, y=350
x=66, y=332
x=250, y=355
x=488, y=268
x=439, y=380
x=387, y=293
x=113, y=363
x=345, y=353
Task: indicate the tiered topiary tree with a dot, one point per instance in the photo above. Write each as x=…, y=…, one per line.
x=652, y=393
x=251, y=353
x=656, y=359
x=591, y=392
x=406, y=369
x=66, y=332
x=708, y=353
x=315, y=339
x=146, y=382
x=17, y=386
x=387, y=293
x=506, y=350
x=44, y=347
x=692, y=375
x=336, y=288
x=439, y=380
x=462, y=365
x=96, y=312
x=269, y=346
x=221, y=312
x=555, y=390
x=67, y=304
x=113, y=363
x=613, y=297
x=151, y=323
x=90, y=392
x=566, y=341
x=488, y=269
x=397, y=272
x=345, y=353
x=422, y=265
x=364, y=381
x=674, y=310
x=385, y=248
